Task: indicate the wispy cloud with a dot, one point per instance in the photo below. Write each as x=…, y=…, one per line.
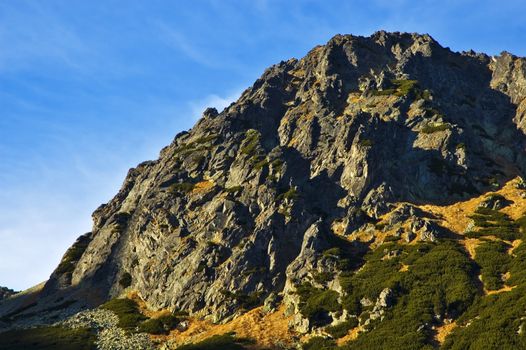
x=179, y=41
x=198, y=106
x=32, y=33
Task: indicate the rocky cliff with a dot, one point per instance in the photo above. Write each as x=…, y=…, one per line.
x=295, y=184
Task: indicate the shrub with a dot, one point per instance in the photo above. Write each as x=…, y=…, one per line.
x=197, y=145
x=441, y=281
x=291, y=193
x=182, y=187
x=521, y=223
x=493, y=258
x=254, y=270
x=48, y=338
x=128, y=312
x=401, y=88
x=435, y=127
x=492, y=322
x=234, y=190
x=319, y=343
x=72, y=255
x=461, y=146
x=315, y=303
x=170, y=321
x=341, y=329
x=494, y=223
x=152, y=326
x=332, y=252
x=218, y=342
x=259, y=162
x=251, y=142
x=245, y=301
x=365, y=143
x=323, y=277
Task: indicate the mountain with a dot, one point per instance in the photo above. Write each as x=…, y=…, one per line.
x=369, y=192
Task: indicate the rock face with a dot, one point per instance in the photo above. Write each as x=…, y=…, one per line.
x=241, y=207
x=6, y=292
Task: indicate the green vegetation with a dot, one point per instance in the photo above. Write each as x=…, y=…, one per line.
x=374, y=276
x=496, y=321
x=181, y=187
x=48, y=338
x=495, y=197
x=128, y=312
x=159, y=325
x=319, y=343
x=234, y=189
x=152, y=326
x=345, y=255
x=251, y=142
x=252, y=148
x=493, y=258
x=131, y=319
x=433, y=112
x=254, y=270
x=435, y=127
x=426, y=95
x=323, y=277
x=125, y=280
x=259, y=162
x=461, y=146
x=493, y=322
x=441, y=281
x=341, y=329
x=316, y=303
x=494, y=223
x=219, y=342
x=197, y=145
x=245, y=301
x=170, y=321
x=291, y=193
x=277, y=164
x=73, y=254
x=402, y=88
x=365, y=143
x=521, y=223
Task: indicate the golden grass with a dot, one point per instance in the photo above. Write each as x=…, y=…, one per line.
x=455, y=217
x=503, y=289
x=352, y=335
x=443, y=331
x=514, y=246
x=471, y=245
x=143, y=307
x=203, y=186
x=267, y=330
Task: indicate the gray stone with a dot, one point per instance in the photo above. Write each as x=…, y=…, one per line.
x=244, y=201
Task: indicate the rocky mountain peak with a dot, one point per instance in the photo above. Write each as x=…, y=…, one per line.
x=290, y=182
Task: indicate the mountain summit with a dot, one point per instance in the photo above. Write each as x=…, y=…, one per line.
x=361, y=190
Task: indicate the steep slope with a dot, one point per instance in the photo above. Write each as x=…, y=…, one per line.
x=287, y=192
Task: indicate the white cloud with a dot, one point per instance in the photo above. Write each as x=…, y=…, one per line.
x=197, y=107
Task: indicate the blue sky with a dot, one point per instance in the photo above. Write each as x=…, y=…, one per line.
x=89, y=89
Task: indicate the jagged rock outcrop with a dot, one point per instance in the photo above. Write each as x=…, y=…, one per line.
x=6, y=292
x=241, y=206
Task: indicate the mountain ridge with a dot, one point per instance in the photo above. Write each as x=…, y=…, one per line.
x=284, y=195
